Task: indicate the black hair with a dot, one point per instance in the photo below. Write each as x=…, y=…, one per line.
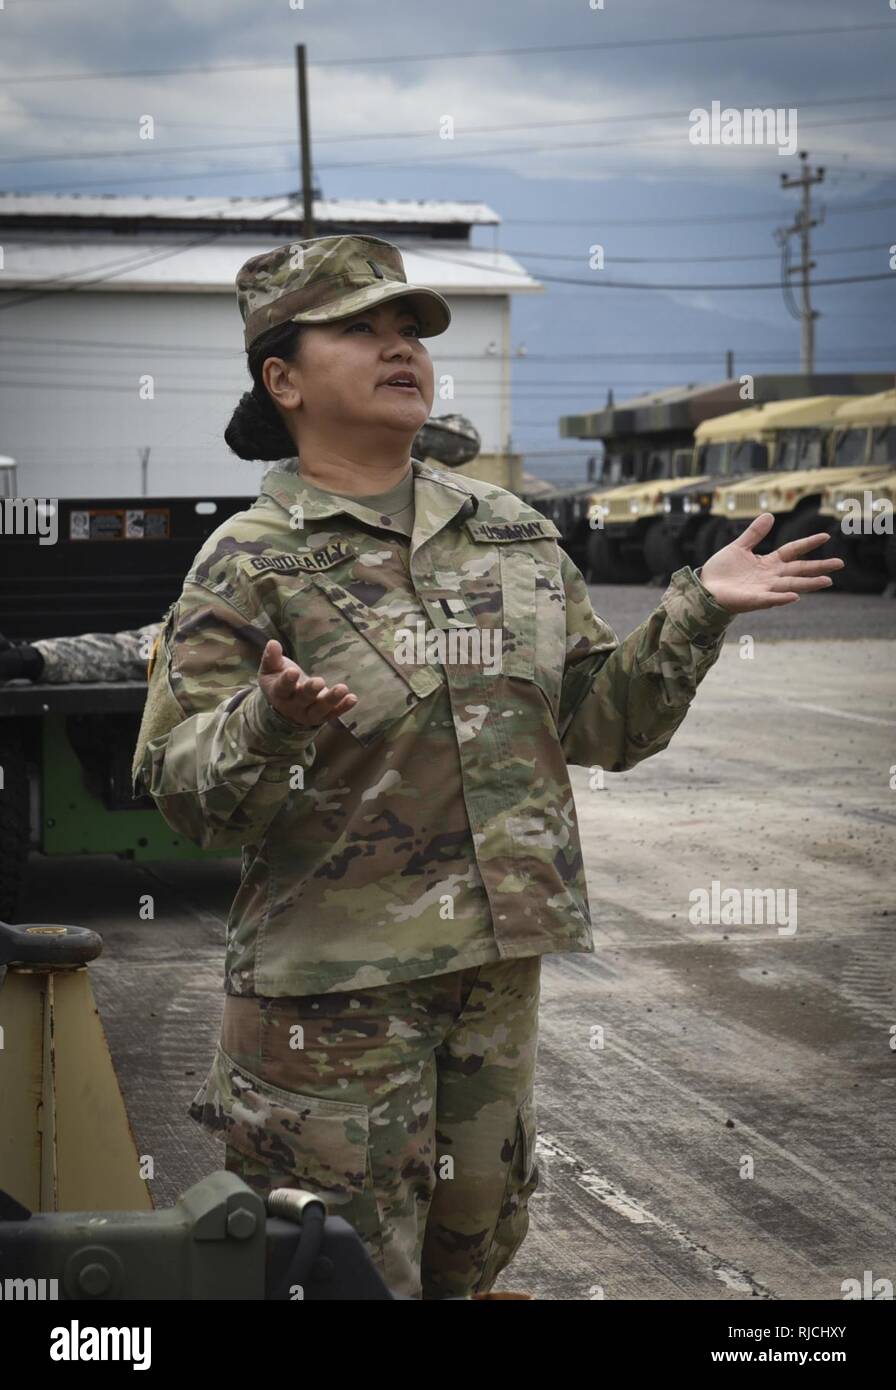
x=256, y=429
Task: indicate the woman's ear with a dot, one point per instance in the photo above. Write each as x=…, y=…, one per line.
x=282, y=387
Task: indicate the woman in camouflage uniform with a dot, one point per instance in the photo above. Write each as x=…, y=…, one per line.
x=372, y=683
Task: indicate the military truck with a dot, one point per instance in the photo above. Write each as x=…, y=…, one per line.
x=570, y=507
x=860, y=519
x=806, y=461
x=624, y=545
x=859, y=512
x=742, y=446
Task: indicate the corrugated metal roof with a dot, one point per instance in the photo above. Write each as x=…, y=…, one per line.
x=113, y=205
x=155, y=262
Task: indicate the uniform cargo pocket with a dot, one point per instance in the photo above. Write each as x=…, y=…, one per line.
x=513, y=1220
x=321, y=1142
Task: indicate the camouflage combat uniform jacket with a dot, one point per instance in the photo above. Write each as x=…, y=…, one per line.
x=433, y=826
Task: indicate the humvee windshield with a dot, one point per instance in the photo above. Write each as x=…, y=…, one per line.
x=618, y=468
x=711, y=459
x=800, y=449
x=747, y=456
x=883, y=445
x=849, y=449
x=683, y=463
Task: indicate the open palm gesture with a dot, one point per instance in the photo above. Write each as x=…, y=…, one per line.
x=742, y=581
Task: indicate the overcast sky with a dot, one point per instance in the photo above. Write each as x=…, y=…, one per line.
x=598, y=153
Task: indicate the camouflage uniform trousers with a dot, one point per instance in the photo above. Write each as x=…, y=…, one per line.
x=434, y=1078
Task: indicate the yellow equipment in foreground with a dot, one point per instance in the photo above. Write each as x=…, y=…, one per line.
x=66, y=1142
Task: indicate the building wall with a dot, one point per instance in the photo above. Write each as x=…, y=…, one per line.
x=72, y=417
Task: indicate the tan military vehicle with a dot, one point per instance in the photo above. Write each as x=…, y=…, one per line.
x=738, y=445
x=817, y=448
x=624, y=523
x=645, y=530
x=859, y=513
x=860, y=519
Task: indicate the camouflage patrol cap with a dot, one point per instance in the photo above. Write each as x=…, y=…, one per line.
x=326, y=278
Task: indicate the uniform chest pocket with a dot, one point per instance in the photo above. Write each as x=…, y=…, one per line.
x=533, y=621
x=340, y=638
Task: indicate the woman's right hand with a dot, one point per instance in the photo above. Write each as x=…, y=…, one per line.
x=304, y=700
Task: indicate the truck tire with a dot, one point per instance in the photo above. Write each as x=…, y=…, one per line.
x=15, y=828
x=606, y=564
x=856, y=577
x=600, y=562
x=890, y=556
x=660, y=554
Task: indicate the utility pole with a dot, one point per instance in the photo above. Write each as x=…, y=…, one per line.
x=729, y=365
x=802, y=226
x=305, y=144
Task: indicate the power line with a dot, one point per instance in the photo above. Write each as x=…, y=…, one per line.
x=194, y=388
x=503, y=152
x=151, y=258
x=817, y=31
x=705, y=219
x=603, y=284
x=870, y=352
x=430, y=132
x=437, y=161
x=688, y=260
x=51, y=239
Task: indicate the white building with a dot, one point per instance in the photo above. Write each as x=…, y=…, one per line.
x=120, y=332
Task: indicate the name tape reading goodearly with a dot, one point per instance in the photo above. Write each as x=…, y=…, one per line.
x=310, y=560
x=512, y=530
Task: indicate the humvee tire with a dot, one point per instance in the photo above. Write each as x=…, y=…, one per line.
x=855, y=578
x=607, y=566
x=890, y=556
x=660, y=551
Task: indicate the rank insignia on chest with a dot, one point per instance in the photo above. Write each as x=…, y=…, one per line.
x=307, y=561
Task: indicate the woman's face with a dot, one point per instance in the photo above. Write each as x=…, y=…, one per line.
x=338, y=385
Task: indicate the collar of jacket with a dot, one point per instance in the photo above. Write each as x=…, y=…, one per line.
x=437, y=495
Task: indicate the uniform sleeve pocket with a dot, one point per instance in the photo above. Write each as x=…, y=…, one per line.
x=534, y=621
x=518, y=588
x=322, y=1142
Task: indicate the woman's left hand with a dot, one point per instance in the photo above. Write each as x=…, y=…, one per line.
x=742, y=581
